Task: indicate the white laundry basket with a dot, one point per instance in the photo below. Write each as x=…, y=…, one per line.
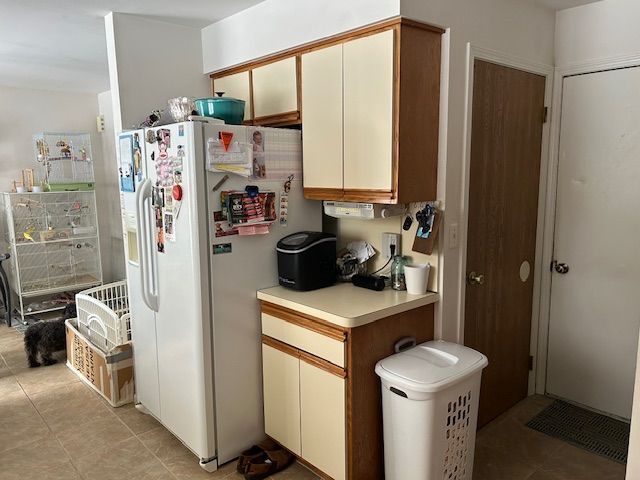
x=430, y=411
x=103, y=315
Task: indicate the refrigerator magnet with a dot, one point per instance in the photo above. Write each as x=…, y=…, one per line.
x=221, y=248
x=168, y=198
x=150, y=137
x=158, y=197
x=159, y=231
x=169, y=231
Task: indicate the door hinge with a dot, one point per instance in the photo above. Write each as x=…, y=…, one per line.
x=530, y=362
x=545, y=114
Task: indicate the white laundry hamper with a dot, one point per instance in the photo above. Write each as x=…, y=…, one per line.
x=430, y=411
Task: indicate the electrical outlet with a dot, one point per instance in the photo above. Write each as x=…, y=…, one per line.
x=389, y=239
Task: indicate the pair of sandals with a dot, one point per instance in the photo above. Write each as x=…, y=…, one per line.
x=263, y=460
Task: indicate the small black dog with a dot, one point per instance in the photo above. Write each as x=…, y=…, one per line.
x=46, y=338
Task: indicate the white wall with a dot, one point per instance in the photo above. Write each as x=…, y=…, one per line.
x=108, y=194
x=276, y=25
x=150, y=62
x=24, y=112
x=603, y=30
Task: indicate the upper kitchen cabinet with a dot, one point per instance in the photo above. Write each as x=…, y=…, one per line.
x=275, y=92
x=269, y=88
x=370, y=104
x=322, y=119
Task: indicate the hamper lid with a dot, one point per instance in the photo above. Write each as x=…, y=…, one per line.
x=431, y=366
x=301, y=241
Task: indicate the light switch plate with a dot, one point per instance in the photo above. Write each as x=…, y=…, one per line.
x=453, y=235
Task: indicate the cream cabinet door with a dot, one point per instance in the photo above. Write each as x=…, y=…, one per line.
x=322, y=420
x=322, y=118
x=368, y=112
x=236, y=86
x=281, y=386
x=275, y=88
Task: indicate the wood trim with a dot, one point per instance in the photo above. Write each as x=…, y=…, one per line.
x=369, y=196
x=325, y=42
x=304, y=462
x=366, y=346
x=299, y=85
x=322, y=364
x=280, y=119
x=281, y=346
x=395, y=137
x=313, y=193
x=417, y=120
x=306, y=321
x=251, y=106
x=306, y=357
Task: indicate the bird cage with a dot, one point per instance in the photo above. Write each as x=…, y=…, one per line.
x=65, y=160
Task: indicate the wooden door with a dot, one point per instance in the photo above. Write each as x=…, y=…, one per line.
x=322, y=118
x=281, y=386
x=508, y=106
x=275, y=88
x=368, y=112
x=595, y=306
x=323, y=420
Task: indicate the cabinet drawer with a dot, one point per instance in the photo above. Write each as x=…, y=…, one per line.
x=304, y=339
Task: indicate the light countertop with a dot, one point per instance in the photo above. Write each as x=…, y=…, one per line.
x=346, y=305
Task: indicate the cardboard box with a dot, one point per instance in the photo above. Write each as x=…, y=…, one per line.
x=109, y=374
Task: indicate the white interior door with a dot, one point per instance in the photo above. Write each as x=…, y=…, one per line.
x=595, y=305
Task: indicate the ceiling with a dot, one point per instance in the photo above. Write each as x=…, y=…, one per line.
x=60, y=44
x=563, y=4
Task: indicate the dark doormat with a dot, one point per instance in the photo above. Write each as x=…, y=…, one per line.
x=582, y=428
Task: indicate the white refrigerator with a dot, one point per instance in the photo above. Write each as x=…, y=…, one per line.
x=196, y=327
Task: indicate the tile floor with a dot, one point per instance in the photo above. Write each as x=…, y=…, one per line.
x=54, y=427
x=506, y=449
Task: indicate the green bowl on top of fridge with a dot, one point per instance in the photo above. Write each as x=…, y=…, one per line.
x=231, y=110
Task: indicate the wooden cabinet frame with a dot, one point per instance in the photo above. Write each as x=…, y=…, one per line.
x=366, y=345
x=416, y=103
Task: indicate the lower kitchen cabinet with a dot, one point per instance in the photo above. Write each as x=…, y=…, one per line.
x=322, y=419
x=281, y=377
x=330, y=415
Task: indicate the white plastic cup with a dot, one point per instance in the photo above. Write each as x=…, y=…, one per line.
x=36, y=189
x=21, y=190
x=416, y=277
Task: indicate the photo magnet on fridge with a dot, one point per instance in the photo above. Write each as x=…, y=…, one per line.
x=221, y=248
x=127, y=172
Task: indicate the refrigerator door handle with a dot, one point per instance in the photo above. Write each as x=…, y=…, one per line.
x=145, y=244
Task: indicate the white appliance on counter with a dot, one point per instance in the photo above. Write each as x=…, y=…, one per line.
x=195, y=316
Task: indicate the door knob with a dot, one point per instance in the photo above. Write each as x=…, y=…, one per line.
x=561, y=267
x=475, y=278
